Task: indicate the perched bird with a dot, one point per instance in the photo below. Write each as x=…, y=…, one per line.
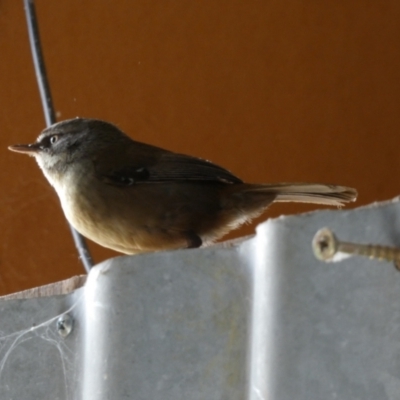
x=133, y=197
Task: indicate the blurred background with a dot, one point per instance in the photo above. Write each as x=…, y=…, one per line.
x=273, y=91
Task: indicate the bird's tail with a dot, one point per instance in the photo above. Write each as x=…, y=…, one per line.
x=332, y=195
x=243, y=202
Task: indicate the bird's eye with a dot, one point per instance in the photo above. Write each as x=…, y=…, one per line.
x=53, y=139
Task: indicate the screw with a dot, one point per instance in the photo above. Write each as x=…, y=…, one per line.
x=65, y=325
x=326, y=245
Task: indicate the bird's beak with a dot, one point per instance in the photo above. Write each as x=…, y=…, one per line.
x=30, y=149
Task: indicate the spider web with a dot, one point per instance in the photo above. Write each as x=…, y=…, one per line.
x=36, y=361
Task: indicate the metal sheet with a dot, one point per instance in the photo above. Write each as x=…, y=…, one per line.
x=35, y=361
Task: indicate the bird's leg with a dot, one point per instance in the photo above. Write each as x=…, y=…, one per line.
x=193, y=240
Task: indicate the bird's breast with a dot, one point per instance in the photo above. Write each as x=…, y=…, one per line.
x=142, y=217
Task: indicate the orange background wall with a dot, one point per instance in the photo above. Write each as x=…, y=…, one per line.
x=272, y=90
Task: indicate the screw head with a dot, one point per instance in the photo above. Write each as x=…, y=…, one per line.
x=65, y=325
x=325, y=245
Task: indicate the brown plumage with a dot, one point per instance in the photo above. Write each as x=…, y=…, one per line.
x=133, y=197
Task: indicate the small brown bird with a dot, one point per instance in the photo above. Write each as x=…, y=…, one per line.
x=133, y=197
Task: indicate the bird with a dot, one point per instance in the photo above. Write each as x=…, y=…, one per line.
x=134, y=197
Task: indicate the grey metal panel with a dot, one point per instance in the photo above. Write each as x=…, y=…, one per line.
x=35, y=362
x=168, y=326
x=262, y=319
x=335, y=331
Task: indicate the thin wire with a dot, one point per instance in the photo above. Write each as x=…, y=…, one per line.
x=49, y=114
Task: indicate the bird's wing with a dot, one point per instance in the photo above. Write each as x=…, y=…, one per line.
x=172, y=166
x=167, y=167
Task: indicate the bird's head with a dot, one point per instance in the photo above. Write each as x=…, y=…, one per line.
x=67, y=143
